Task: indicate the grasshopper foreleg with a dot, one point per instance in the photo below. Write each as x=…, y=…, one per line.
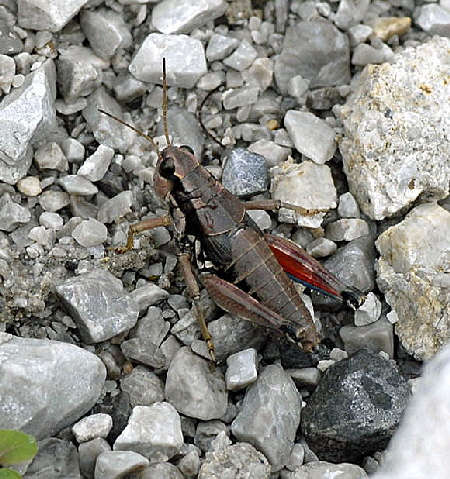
x=145, y=225
x=276, y=205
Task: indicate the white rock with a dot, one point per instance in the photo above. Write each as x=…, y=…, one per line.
x=185, y=60
x=311, y=135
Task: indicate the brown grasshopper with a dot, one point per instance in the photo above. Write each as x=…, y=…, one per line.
x=249, y=280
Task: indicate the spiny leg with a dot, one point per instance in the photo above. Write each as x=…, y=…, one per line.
x=194, y=292
x=142, y=226
x=276, y=205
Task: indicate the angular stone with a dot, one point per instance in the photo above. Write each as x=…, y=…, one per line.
x=153, y=431
x=384, y=171
x=106, y=130
x=364, y=397
x=323, y=56
x=96, y=165
x=377, y=336
x=106, y=31
x=369, y=311
x=12, y=214
x=311, y=135
x=241, y=369
x=185, y=60
x=116, y=464
x=78, y=72
x=194, y=389
x=143, y=386
x=220, y=46
x=183, y=16
x=41, y=394
x=245, y=173
x=270, y=416
x=50, y=15
x=56, y=458
x=114, y=208
x=322, y=469
x=308, y=186
x=88, y=453
x=347, y=229
x=90, y=427
x=413, y=274
x=99, y=305
x=27, y=116
x=237, y=460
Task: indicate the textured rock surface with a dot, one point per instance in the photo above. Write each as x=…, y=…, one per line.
x=395, y=146
x=42, y=392
x=413, y=274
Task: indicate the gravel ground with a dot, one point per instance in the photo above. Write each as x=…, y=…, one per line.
x=338, y=108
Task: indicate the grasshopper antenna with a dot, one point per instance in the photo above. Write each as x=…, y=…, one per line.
x=165, y=104
x=139, y=132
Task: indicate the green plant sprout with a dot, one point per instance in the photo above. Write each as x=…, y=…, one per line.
x=15, y=447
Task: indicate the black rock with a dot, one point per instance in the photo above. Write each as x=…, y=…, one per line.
x=355, y=409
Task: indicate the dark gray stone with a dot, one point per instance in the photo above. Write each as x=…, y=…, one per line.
x=355, y=409
x=245, y=173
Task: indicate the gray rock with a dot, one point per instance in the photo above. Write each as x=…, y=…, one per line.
x=106, y=130
x=55, y=459
x=220, y=46
x=77, y=185
x=384, y=171
x=185, y=60
x=273, y=153
x=148, y=295
x=367, y=54
x=307, y=186
x=99, y=305
x=413, y=274
x=143, y=350
x=311, y=135
x=322, y=469
x=242, y=57
x=353, y=264
x=27, y=115
x=207, y=432
x=230, y=335
x=307, y=378
x=237, y=460
x=96, y=165
x=189, y=464
x=11, y=44
x=175, y=16
x=270, y=416
x=116, y=464
x=245, y=173
x=193, y=388
x=12, y=214
x=350, y=13
x=143, y=386
x=115, y=207
x=90, y=427
x=378, y=336
x=88, y=453
x=240, y=97
x=49, y=15
x=419, y=448
x=185, y=130
x=106, y=31
x=348, y=207
x=433, y=18
x=162, y=470
x=153, y=431
x=30, y=186
x=241, y=369
x=369, y=311
x=79, y=72
x=324, y=56
x=364, y=397
x=50, y=156
x=347, y=229
x=51, y=221
x=52, y=201
x=41, y=391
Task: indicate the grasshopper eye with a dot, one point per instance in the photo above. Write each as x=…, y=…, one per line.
x=167, y=168
x=187, y=148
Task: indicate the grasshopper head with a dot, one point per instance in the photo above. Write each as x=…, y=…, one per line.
x=173, y=165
